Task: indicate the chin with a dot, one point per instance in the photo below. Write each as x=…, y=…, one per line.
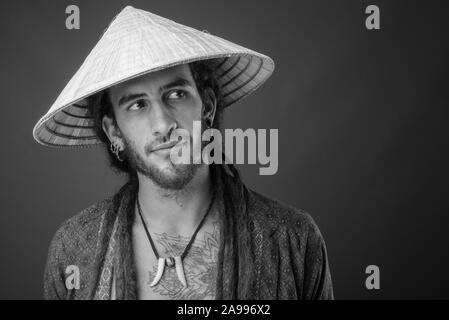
x=169, y=176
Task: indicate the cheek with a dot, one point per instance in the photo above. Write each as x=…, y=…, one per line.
x=135, y=132
x=185, y=118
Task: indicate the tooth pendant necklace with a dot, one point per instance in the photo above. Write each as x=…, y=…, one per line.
x=176, y=261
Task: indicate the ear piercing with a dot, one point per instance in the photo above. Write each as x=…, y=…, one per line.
x=115, y=149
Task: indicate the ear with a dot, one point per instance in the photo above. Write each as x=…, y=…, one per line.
x=112, y=130
x=209, y=105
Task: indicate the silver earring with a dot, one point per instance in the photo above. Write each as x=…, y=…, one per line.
x=115, y=149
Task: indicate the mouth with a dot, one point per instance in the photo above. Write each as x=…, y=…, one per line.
x=164, y=146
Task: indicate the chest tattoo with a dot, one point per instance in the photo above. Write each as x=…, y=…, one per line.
x=200, y=267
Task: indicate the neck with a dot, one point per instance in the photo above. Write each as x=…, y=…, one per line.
x=175, y=212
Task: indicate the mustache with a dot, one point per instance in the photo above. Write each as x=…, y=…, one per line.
x=161, y=140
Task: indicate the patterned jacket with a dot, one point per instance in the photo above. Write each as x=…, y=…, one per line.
x=267, y=251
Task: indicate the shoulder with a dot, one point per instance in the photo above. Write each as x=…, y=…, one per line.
x=74, y=243
x=296, y=236
x=80, y=231
x=86, y=218
x=283, y=217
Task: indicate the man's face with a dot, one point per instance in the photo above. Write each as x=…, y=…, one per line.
x=147, y=109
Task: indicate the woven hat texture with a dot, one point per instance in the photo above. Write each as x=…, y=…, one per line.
x=135, y=43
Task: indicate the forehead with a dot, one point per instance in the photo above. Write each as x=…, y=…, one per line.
x=152, y=81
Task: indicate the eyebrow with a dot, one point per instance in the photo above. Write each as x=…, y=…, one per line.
x=177, y=82
x=129, y=97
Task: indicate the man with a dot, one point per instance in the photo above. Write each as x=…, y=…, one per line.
x=173, y=231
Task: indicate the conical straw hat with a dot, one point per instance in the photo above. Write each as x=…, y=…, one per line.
x=135, y=43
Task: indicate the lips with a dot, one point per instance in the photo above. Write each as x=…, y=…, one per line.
x=166, y=145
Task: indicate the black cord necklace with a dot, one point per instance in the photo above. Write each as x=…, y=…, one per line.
x=177, y=260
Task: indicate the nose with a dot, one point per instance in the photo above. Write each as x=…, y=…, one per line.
x=162, y=122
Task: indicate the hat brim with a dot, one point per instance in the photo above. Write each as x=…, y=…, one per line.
x=69, y=121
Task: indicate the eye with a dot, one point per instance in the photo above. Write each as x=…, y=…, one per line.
x=137, y=105
x=177, y=95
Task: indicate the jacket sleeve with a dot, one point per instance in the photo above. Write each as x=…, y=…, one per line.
x=317, y=277
x=54, y=283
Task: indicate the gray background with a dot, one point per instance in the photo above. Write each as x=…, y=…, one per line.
x=362, y=118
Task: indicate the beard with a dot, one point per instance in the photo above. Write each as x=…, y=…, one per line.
x=173, y=177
